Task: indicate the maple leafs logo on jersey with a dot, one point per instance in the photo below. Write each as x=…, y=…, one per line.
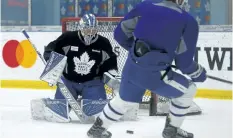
x=84, y=64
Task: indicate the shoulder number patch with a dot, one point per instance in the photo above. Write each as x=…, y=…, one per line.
x=74, y=48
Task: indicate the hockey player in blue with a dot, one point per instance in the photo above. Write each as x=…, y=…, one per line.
x=156, y=33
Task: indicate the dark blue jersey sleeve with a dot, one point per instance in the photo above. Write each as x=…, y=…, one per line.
x=185, y=58
x=123, y=33
x=56, y=45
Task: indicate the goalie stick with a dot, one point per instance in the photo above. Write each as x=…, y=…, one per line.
x=66, y=93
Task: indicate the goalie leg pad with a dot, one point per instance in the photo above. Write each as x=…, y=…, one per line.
x=93, y=107
x=54, y=68
x=50, y=110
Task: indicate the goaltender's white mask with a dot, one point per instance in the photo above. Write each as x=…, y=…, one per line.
x=88, y=27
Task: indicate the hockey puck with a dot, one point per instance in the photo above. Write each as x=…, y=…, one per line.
x=129, y=132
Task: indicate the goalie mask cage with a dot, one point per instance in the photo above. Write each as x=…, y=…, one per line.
x=157, y=105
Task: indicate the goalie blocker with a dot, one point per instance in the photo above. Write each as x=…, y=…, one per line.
x=54, y=68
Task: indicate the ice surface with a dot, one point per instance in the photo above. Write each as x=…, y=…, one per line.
x=15, y=120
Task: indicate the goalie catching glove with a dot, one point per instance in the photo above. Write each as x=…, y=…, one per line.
x=112, y=79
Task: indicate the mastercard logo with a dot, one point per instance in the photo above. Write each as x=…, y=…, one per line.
x=17, y=53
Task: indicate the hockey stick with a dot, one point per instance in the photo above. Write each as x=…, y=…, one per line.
x=219, y=79
x=213, y=77
x=64, y=90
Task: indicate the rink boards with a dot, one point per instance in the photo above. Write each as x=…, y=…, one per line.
x=21, y=67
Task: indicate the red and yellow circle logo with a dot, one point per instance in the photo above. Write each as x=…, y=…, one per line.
x=17, y=53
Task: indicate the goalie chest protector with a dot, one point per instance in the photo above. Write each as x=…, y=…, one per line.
x=83, y=61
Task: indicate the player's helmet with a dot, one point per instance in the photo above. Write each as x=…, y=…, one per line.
x=88, y=26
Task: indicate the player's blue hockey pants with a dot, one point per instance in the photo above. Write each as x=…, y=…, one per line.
x=146, y=72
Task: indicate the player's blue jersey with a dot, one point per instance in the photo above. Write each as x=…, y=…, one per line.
x=162, y=25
